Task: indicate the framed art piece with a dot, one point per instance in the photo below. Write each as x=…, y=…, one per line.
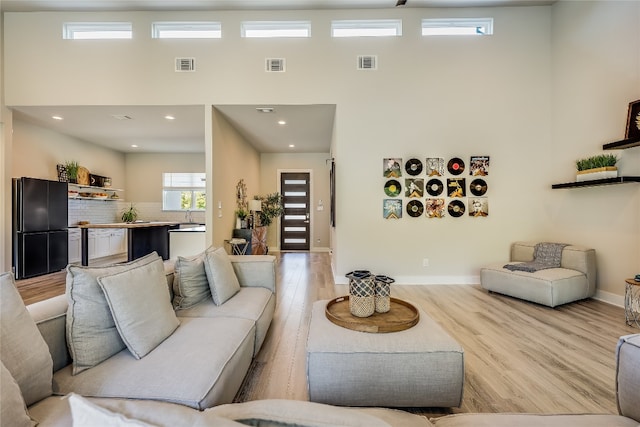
x=414, y=187
x=479, y=207
x=456, y=187
x=392, y=208
x=435, y=166
x=633, y=120
x=479, y=166
x=392, y=168
x=435, y=208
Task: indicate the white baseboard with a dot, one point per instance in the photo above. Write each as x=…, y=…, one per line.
x=608, y=297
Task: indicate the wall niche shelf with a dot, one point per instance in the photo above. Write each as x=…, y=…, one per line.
x=622, y=144
x=598, y=182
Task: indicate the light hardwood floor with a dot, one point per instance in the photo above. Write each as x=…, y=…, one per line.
x=519, y=357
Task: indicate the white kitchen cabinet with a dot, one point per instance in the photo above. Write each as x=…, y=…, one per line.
x=102, y=244
x=117, y=241
x=75, y=251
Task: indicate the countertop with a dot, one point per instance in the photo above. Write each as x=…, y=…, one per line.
x=130, y=224
x=199, y=229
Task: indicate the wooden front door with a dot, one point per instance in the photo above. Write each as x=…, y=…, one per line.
x=295, y=225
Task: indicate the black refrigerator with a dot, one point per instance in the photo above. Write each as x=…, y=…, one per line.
x=40, y=220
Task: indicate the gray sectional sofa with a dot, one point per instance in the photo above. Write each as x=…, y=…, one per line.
x=37, y=382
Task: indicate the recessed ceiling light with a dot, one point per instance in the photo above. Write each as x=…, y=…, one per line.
x=292, y=146
x=57, y=117
x=282, y=122
x=265, y=109
x=169, y=117
x=134, y=146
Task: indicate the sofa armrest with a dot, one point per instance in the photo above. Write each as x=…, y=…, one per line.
x=628, y=376
x=50, y=317
x=255, y=270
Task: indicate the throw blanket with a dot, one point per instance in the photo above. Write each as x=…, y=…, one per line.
x=545, y=255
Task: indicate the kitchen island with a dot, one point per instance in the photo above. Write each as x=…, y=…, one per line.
x=142, y=238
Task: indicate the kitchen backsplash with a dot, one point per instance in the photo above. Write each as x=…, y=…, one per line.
x=101, y=211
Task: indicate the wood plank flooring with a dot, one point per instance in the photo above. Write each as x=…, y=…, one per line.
x=519, y=356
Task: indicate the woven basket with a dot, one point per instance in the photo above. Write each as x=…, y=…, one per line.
x=383, y=293
x=361, y=293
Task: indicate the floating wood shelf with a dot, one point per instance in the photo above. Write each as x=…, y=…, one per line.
x=625, y=143
x=598, y=182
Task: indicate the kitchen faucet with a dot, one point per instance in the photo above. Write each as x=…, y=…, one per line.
x=187, y=216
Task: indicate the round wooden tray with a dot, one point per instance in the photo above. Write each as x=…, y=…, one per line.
x=401, y=316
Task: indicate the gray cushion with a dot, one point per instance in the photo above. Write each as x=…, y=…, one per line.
x=190, y=285
x=257, y=304
x=85, y=413
x=141, y=306
x=533, y=420
x=200, y=365
x=23, y=352
x=222, y=279
x=628, y=376
x=92, y=336
x=283, y=413
x=13, y=411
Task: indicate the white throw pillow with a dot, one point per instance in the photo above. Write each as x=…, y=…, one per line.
x=13, y=411
x=190, y=284
x=221, y=276
x=92, y=336
x=141, y=306
x=84, y=414
x=23, y=351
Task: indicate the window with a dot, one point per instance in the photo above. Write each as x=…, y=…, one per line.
x=276, y=29
x=367, y=28
x=183, y=191
x=186, y=30
x=457, y=27
x=96, y=30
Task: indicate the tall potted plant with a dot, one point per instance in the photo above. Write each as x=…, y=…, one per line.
x=271, y=208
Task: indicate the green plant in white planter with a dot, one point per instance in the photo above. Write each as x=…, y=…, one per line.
x=597, y=167
x=130, y=215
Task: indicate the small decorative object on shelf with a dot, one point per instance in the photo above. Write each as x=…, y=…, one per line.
x=361, y=293
x=241, y=218
x=130, y=215
x=602, y=166
x=633, y=120
x=71, y=167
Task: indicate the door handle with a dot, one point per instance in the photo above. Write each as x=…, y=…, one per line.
x=307, y=220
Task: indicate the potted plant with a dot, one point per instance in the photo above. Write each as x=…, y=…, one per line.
x=130, y=215
x=272, y=208
x=72, y=171
x=597, y=167
x=241, y=218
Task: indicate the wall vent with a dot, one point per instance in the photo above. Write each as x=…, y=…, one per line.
x=367, y=62
x=274, y=65
x=185, y=64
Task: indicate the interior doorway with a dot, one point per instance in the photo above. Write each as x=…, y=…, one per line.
x=295, y=224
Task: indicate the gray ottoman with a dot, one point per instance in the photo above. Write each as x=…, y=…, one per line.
x=421, y=366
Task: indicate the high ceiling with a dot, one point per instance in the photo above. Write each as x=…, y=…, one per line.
x=308, y=127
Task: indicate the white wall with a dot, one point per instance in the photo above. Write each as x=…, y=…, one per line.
x=430, y=97
x=596, y=73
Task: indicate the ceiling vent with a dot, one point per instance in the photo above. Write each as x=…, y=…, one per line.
x=185, y=65
x=274, y=65
x=367, y=62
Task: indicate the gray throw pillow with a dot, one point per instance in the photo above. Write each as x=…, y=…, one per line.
x=141, y=306
x=85, y=413
x=92, y=336
x=24, y=351
x=13, y=411
x=221, y=276
x=190, y=284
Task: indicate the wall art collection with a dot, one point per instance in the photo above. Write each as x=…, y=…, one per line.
x=434, y=188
